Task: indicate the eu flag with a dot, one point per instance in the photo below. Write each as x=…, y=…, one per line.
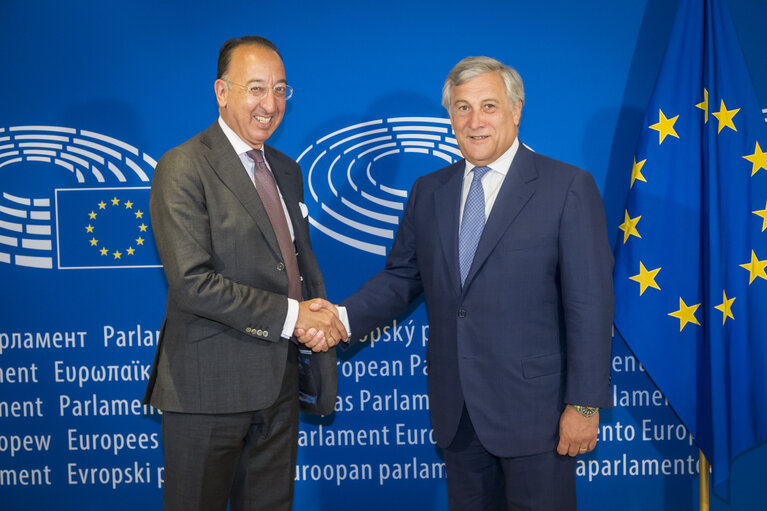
x=690, y=276
x=104, y=228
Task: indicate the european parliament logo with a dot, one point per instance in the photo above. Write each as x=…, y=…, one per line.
x=359, y=176
x=73, y=199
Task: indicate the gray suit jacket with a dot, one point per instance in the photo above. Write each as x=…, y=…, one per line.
x=220, y=349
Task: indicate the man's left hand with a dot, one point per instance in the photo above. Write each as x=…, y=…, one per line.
x=577, y=434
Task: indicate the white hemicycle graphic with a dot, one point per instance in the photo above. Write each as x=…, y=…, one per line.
x=352, y=198
x=35, y=237
x=27, y=223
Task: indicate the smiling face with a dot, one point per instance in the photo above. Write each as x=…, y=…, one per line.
x=252, y=119
x=484, y=122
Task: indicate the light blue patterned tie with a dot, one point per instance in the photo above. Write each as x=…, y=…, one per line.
x=473, y=222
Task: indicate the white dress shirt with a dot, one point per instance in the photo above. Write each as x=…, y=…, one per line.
x=241, y=148
x=491, y=182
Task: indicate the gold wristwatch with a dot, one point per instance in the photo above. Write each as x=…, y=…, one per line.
x=586, y=411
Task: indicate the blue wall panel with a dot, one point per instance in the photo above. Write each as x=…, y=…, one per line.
x=123, y=82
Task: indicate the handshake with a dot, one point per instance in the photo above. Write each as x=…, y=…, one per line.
x=318, y=326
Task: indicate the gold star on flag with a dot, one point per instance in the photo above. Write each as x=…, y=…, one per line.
x=725, y=307
x=92, y=215
x=664, y=127
x=758, y=160
x=142, y=227
x=94, y=242
x=139, y=240
x=645, y=278
x=128, y=205
x=704, y=106
x=629, y=227
x=755, y=267
x=685, y=314
x=636, y=172
x=102, y=205
x=115, y=201
x=117, y=254
x=762, y=213
x=104, y=251
x=130, y=250
x=724, y=117
x=139, y=214
x=89, y=228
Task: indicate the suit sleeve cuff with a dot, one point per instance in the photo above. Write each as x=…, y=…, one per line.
x=344, y=317
x=290, y=319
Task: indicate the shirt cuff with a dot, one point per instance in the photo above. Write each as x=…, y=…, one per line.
x=290, y=319
x=344, y=317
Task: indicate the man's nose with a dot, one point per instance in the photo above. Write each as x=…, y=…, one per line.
x=269, y=101
x=475, y=118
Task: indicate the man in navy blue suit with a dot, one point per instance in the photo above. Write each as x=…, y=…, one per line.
x=510, y=250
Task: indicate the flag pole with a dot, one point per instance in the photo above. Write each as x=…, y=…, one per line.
x=703, y=490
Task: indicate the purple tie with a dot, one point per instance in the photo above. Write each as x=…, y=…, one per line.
x=267, y=190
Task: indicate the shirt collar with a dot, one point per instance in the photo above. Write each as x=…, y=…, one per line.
x=239, y=146
x=502, y=164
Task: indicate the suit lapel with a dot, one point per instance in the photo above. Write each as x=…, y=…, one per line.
x=447, y=205
x=516, y=190
x=227, y=165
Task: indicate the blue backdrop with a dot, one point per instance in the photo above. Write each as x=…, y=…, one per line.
x=93, y=93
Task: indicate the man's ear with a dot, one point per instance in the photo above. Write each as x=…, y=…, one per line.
x=516, y=113
x=221, y=89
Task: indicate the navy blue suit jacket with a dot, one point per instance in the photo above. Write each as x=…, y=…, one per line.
x=530, y=330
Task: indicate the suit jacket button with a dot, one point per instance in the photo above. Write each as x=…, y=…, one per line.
x=266, y=333
x=462, y=313
x=248, y=329
x=280, y=266
x=259, y=332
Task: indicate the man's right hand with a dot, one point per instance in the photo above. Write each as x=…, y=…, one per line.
x=318, y=326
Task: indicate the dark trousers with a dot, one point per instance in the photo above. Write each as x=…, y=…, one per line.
x=247, y=459
x=480, y=481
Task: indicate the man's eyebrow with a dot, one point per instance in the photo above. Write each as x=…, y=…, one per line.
x=485, y=100
x=261, y=80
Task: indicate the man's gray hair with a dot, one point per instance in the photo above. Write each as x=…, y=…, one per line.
x=471, y=67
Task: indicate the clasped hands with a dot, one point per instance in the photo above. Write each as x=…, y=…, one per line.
x=318, y=327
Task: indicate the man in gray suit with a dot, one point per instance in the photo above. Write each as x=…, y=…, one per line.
x=233, y=236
